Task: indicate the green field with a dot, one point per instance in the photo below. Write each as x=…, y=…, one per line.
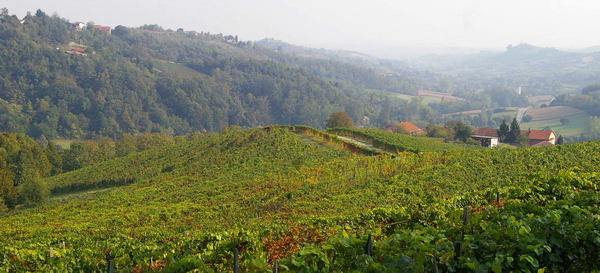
x=575, y=126
x=512, y=113
x=425, y=99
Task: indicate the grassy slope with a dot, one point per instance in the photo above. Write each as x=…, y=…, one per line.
x=259, y=181
x=425, y=99
x=575, y=126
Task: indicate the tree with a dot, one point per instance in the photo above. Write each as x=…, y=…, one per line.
x=125, y=145
x=339, y=119
x=34, y=192
x=564, y=121
x=8, y=192
x=54, y=157
x=527, y=118
x=436, y=131
x=560, y=140
x=522, y=140
x=515, y=131
x=462, y=131
x=503, y=131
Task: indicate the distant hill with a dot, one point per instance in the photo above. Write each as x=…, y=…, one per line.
x=538, y=70
x=59, y=79
x=592, y=49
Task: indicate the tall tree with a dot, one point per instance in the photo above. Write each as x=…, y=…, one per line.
x=515, y=131
x=8, y=192
x=503, y=131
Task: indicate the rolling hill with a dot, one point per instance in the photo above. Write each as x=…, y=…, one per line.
x=312, y=206
x=59, y=80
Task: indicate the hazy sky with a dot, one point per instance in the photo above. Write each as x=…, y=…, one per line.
x=332, y=24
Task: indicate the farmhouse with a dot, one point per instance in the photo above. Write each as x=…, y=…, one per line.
x=412, y=129
x=488, y=136
x=538, y=137
x=78, y=26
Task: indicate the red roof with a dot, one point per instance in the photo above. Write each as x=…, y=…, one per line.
x=538, y=134
x=409, y=127
x=489, y=132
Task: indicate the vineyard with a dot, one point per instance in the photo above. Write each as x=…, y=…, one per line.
x=314, y=208
x=395, y=143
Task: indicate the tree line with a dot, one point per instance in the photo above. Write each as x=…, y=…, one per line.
x=24, y=162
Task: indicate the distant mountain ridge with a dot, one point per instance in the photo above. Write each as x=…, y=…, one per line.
x=539, y=70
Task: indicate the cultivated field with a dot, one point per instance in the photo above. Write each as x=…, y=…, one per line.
x=425, y=100
x=472, y=112
x=548, y=113
x=539, y=100
x=438, y=95
x=574, y=127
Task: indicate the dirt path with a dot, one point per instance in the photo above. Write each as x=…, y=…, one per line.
x=64, y=197
x=361, y=143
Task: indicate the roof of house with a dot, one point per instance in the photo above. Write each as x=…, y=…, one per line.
x=538, y=134
x=489, y=132
x=409, y=127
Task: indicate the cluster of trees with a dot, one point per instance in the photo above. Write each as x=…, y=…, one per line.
x=588, y=100
x=22, y=165
x=451, y=131
x=511, y=134
x=24, y=162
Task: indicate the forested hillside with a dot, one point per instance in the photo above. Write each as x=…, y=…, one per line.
x=57, y=80
x=276, y=194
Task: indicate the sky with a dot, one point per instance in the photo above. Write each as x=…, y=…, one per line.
x=351, y=24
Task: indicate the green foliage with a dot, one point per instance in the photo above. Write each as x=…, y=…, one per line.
x=514, y=132
x=503, y=132
x=34, y=192
x=339, y=119
x=462, y=131
x=150, y=80
x=274, y=196
x=8, y=191
x=435, y=131
x=395, y=143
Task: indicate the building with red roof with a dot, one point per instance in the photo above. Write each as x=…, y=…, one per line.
x=536, y=137
x=412, y=129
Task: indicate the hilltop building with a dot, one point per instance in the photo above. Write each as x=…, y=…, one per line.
x=79, y=26
x=107, y=30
